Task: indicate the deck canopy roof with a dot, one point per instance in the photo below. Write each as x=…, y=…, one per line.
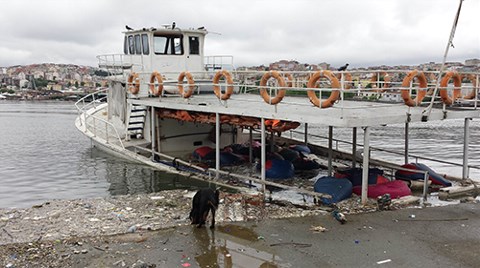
x=342, y=114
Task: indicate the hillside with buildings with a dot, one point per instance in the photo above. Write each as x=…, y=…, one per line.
x=49, y=80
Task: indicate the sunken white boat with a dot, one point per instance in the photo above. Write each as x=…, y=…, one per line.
x=166, y=99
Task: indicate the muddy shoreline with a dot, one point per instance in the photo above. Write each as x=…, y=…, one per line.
x=113, y=231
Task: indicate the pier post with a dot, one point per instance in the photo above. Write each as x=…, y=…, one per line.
x=366, y=155
x=466, y=141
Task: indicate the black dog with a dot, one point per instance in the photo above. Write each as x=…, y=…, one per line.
x=205, y=200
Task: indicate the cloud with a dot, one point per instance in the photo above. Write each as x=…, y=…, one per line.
x=255, y=32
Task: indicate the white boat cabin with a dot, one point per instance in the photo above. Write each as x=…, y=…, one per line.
x=168, y=49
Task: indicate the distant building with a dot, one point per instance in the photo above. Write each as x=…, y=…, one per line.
x=473, y=62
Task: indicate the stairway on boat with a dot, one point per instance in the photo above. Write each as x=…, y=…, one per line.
x=136, y=122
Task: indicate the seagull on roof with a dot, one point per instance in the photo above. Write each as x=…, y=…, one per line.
x=128, y=27
x=173, y=25
x=343, y=68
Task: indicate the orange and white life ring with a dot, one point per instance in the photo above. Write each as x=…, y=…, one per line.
x=474, y=92
x=457, y=83
x=380, y=85
x=158, y=77
x=347, y=79
x=289, y=80
x=216, y=86
x=133, y=83
x=281, y=83
x=334, y=95
x=191, y=84
x=421, y=92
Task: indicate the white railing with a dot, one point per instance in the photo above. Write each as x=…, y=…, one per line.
x=219, y=62
x=98, y=126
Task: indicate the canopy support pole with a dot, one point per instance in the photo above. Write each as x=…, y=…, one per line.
x=152, y=126
x=406, y=142
x=263, y=155
x=466, y=141
x=354, y=147
x=217, y=145
x=366, y=156
x=330, y=150
x=306, y=134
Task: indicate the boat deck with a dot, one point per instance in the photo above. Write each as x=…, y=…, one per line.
x=344, y=113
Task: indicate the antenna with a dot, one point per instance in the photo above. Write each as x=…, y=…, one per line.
x=428, y=110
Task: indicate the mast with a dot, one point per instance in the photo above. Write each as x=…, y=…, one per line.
x=427, y=111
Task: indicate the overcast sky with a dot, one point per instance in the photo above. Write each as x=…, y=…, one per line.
x=360, y=32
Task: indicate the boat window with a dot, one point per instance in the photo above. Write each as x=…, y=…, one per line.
x=168, y=44
x=160, y=44
x=125, y=45
x=138, y=45
x=177, y=44
x=145, y=47
x=194, y=45
x=131, y=44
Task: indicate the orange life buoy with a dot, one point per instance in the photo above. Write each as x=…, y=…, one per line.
x=347, y=79
x=289, y=80
x=133, y=83
x=473, y=93
x=421, y=92
x=191, y=84
x=156, y=76
x=457, y=82
x=312, y=84
x=281, y=83
x=216, y=86
x=381, y=85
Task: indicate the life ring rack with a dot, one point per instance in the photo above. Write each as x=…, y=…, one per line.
x=421, y=92
x=191, y=84
x=156, y=91
x=334, y=95
x=216, y=87
x=133, y=83
x=281, y=83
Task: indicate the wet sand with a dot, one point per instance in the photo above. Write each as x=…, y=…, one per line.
x=445, y=236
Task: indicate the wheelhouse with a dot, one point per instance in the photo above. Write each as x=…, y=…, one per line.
x=168, y=49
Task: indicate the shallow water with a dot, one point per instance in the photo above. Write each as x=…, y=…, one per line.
x=43, y=156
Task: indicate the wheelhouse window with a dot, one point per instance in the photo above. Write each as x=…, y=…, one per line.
x=168, y=44
x=146, y=49
x=131, y=45
x=138, y=45
x=194, y=44
x=125, y=45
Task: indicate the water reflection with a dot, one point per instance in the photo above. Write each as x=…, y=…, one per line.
x=232, y=246
x=125, y=177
